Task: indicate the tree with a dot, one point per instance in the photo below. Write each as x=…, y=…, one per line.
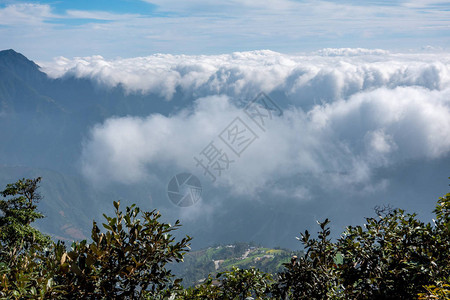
x=19, y=210
x=235, y=284
x=395, y=255
x=22, y=271
x=392, y=256
x=126, y=261
x=314, y=275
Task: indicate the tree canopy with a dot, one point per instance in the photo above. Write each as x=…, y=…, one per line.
x=393, y=255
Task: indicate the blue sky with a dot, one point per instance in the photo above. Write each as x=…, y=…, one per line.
x=45, y=29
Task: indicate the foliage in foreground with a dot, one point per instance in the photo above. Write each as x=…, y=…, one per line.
x=126, y=261
x=393, y=256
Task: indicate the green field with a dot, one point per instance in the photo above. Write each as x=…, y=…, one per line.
x=198, y=264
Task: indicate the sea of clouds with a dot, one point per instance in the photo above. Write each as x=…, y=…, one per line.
x=328, y=74
x=346, y=114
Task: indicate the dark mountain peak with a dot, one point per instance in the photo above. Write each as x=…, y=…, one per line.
x=16, y=62
x=9, y=52
x=12, y=55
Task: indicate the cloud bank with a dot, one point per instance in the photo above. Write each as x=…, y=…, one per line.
x=328, y=74
x=346, y=114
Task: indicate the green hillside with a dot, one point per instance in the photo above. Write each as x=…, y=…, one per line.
x=198, y=264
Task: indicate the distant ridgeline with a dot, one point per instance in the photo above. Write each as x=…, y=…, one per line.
x=198, y=264
x=53, y=115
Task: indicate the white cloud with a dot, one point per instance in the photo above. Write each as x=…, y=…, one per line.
x=240, y=7
x=216, y=27
x=97, y=15
x=25, y=14
x=144, y=141
x=328, y=75
x=424, y=3
x=371, y=112
x=351, y=52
